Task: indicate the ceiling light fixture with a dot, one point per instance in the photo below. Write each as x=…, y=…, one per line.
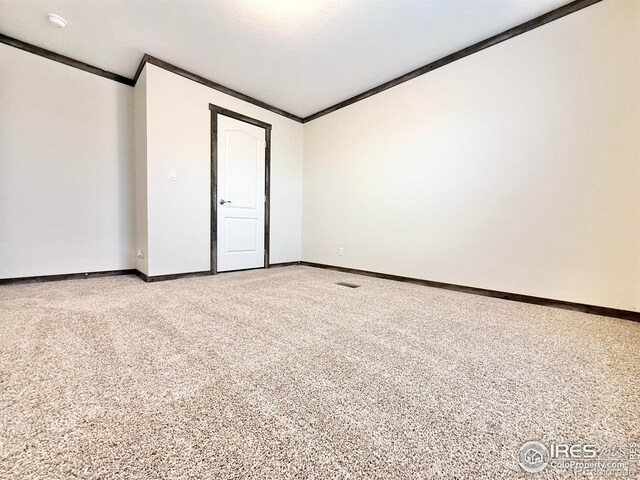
x=57, y=20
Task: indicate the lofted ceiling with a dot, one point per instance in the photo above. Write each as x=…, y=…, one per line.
x=298, y=55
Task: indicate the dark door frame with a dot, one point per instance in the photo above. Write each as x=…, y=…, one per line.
x=215, y=111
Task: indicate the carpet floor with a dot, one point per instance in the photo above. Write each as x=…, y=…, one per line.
x=281, y=373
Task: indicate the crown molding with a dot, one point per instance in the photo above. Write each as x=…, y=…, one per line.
x=148, y=59
x=465, y=52
x=556, y=14
x=131, y=82
x=71, y=62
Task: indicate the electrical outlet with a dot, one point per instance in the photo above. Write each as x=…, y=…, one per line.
x=340, y=251
x=140, y=253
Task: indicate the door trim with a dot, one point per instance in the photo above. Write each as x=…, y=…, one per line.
x=215, y=111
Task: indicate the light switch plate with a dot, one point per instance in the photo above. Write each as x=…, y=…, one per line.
x=172, y=175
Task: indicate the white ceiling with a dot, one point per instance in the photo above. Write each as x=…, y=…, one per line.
x=298, y=55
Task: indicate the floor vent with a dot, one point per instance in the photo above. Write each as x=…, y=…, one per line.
x=347, y=284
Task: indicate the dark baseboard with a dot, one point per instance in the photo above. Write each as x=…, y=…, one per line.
x=110, y=273
x=206, y=273
x=140, y=275
x=515, y=297
x=65, y=276
x=173, y=276
x=283, y=264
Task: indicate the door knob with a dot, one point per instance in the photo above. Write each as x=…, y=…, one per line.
x=222, y=202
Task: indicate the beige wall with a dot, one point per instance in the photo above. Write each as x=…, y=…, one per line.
x=514, y=169
x=179, y=138
x=84, y=167
x=66, y=169
x=141, y=211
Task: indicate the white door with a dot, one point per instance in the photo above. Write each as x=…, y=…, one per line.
x=241, y=195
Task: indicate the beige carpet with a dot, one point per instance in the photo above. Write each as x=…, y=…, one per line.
x=282, y=374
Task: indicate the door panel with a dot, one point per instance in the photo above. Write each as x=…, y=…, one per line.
x=241, y=234
x=241, y=163
x=241, y=195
